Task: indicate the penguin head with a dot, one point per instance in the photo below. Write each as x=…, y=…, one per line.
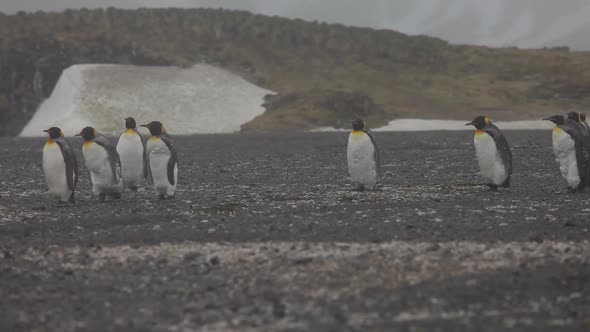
x=130, y=123
x=557, y=119
x=156, y=128
x=574, y=116
x=479, y=122
x=358, y=124
x=54, y=132
x=583, y=116
x=88, y=133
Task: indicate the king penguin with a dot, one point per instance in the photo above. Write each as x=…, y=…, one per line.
x=103, y=162
x=493, y=153
x=60, y=166
x=362, y=157
x=130, y=148
x=161, y=160
x=570, y=151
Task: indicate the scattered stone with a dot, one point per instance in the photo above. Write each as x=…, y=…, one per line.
x=302, y=260
x=214, y=260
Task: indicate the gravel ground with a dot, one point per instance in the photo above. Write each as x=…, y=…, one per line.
x=266, y=234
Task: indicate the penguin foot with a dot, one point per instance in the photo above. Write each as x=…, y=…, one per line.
x=571, y=190
x=102, y=197
x=115, y=196
x=162, y=197
x=493, y=187
x=359, y=188
x=134, y=188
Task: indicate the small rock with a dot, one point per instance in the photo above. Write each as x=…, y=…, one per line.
x=214, y=260
x=279, y=310
x=433, y=247
x=191, y=256
x=535, y=238
x=302, y=260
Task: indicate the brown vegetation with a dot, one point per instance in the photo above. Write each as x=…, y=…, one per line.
x=399, y=75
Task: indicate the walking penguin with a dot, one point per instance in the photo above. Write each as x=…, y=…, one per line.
x=60, y=166
x=571, y=151
x=102, y=160
x=493, y=153
x=131, y=150
x=161, y=160
x=362, y=157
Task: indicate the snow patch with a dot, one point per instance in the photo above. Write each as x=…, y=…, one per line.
x=200, y=99
x=432, y=125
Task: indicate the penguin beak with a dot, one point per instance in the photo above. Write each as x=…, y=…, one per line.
x=470, y=124
x=143, y=126
x=546, y=119
x=80, y=134
x=46, y=130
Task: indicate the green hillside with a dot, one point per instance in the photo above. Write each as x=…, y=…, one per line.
x=325, y=74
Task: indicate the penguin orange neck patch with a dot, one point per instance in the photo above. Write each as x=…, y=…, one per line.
x=479, y=132
x=358, y=132
x=129, y=132
x=557, y=130
x=87, y=144
x=50, y=142
x=154, y=138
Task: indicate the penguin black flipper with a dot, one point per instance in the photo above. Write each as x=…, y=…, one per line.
x=146, y=170
x=585, y=147
x=503, y=148
x=114, y=159
x=70, y=161
x=173, y=159
x=376, y=154
x=581, y=148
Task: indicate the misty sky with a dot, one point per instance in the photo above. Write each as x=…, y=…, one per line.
x=523, y=23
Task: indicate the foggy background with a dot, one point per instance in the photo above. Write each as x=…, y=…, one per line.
x=522, y=23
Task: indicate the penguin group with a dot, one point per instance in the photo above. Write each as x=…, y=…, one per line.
x=112, y=168
x=125, y=166
x=571, y=146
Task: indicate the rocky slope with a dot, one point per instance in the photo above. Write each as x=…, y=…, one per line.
x=398, y=74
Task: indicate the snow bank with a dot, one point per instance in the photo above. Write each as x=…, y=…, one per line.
x=201, y=99
x=429, y=125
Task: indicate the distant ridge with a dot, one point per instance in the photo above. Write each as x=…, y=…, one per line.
x=398, y=75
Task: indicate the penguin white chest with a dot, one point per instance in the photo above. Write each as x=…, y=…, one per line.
x=564, y=148
x=97, y=161
x=130, y=149
x=54, y=168
x=360, y=154
x=490, y=163
x=158, y=156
